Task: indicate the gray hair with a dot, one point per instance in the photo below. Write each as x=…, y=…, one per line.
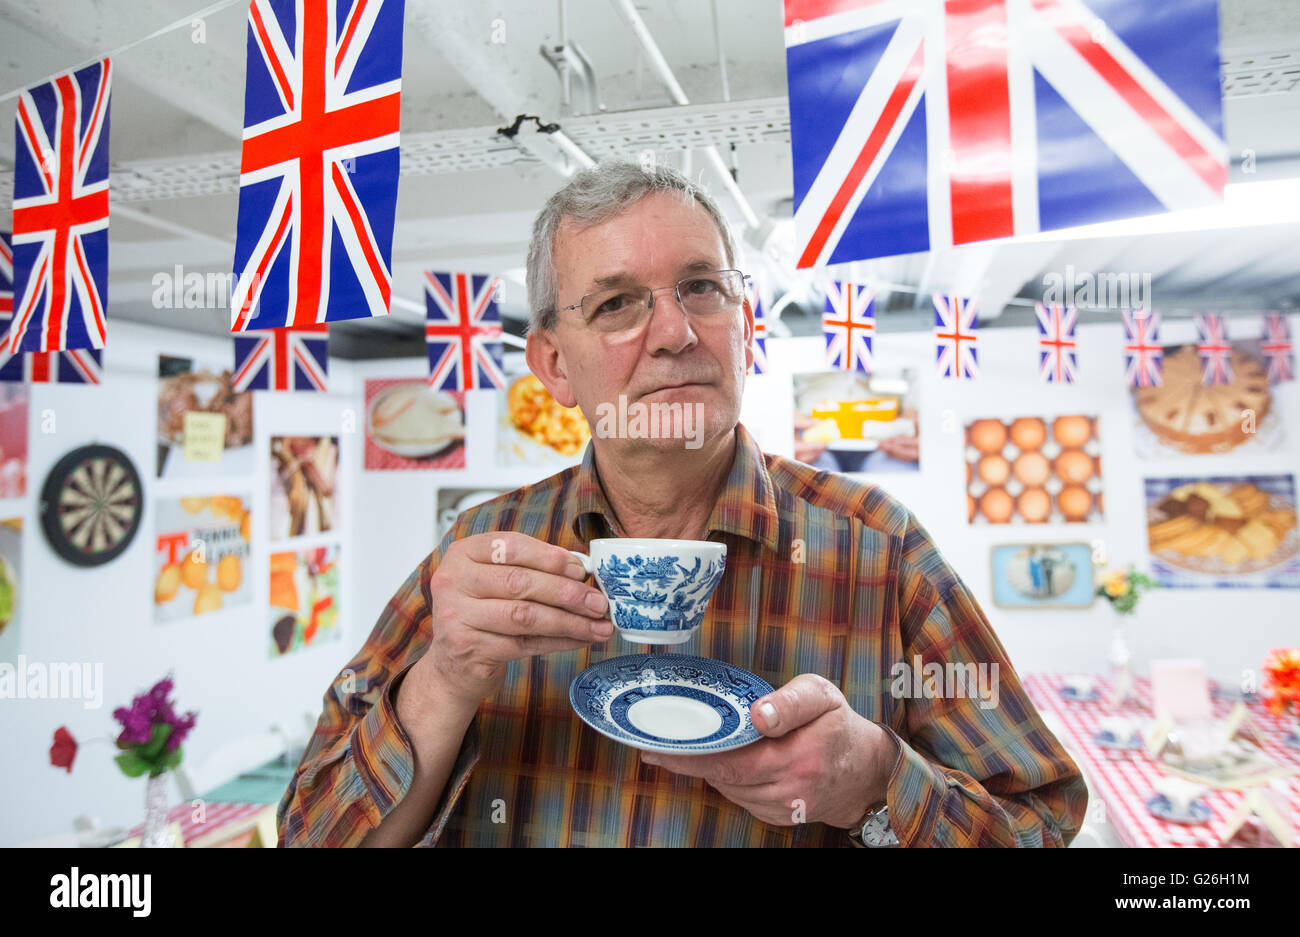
x=595, y=195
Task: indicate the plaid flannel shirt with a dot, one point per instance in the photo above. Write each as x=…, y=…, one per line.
x=825, y=574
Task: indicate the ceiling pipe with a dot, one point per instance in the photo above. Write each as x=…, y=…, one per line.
x=660, y=65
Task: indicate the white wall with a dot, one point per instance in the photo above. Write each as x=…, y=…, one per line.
x=1232, y=629
x=105, y=614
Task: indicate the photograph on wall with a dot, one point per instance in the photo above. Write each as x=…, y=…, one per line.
x=1184, y=416
x=532, y=428
x=1033, y=470
x=204, y=426
x=304, y=479
x=1224, y=532
x=1042, y=575
x=451, y=501
x=304, y=599
x=201, y=555
x=849, y=421
x=411, y=426
x=11, y=567
x=13, y=440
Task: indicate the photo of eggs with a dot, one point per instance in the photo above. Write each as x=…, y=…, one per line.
x=1033, y=470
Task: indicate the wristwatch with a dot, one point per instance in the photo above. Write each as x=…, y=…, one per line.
x=873, y=830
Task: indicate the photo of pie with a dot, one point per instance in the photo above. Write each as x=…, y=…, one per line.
x=1185, y=415
x=1223, y=526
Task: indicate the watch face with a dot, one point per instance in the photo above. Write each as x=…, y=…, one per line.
x=91, y=505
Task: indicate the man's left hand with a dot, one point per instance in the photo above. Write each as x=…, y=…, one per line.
x=818, y=754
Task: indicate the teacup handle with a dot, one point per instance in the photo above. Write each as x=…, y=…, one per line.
x=588, y=566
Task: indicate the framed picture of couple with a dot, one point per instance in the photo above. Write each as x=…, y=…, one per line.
x=1043, y=575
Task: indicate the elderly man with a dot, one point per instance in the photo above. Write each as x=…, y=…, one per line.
x=452, y=725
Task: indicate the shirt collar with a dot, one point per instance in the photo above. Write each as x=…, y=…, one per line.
x=746, y=506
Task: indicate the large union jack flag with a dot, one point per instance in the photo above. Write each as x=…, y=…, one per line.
x=1277, y=347
x=920, y=124
x=463, y=331
x=1058, y=361
x=956, y=334
x=1216, y=353
x=60, y=230
x=1143, y=353
x=318, y=175
x=282, y=359
x=849, y=323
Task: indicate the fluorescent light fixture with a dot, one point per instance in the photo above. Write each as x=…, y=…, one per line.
x=1245, y=205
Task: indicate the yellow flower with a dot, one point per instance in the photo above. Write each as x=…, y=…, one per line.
x=1116, y=583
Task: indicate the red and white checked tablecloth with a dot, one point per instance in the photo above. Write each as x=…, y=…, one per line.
x=1124, y=780
x=196, y=823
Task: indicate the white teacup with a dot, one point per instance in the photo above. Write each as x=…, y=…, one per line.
x=658, y=590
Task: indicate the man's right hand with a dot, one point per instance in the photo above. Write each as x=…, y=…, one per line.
x=499, y=597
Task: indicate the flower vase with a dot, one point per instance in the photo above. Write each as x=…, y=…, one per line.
x=156, y=833
x=1121, y=672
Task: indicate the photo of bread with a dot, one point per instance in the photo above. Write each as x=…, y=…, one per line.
x=1241, y=529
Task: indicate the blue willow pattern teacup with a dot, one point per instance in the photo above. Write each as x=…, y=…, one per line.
x=658, y=590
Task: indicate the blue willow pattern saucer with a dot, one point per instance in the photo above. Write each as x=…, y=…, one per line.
x=670, y=703
x=1159, y=807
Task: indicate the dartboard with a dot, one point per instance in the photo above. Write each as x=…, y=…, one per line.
x=91, y=505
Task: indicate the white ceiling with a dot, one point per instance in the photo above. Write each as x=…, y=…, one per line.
x=176, y=100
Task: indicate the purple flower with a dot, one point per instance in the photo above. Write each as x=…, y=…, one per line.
x=151, y=709
x=137, y=722
x=180, y=728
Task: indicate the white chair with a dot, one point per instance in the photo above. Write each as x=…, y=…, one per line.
x=231, y=760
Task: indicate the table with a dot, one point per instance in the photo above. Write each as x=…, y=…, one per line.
x=1123, y=779
x=232, y=813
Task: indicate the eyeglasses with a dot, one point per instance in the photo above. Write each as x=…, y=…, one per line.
x=624, y=308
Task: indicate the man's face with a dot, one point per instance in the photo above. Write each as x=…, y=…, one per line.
x=670, y=358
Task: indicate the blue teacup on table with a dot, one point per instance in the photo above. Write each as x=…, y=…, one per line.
x=658, y=590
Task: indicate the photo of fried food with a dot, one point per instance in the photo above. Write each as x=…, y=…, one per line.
x=1236, y=526
x=536, y=414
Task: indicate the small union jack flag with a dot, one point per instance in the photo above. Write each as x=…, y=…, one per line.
x=463, y=331
x=318, y=172
x=760, y=365
x=1277, y=348
x=1216, y=353
x=282, y=359
x=1143, y=354
x=75, y=366
x=849, y=323
x=956, y=335
x=1058, y=361
x=79, y=366
x=6, y=280
x=60, y=236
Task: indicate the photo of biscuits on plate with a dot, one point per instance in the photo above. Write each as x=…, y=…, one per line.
x=1222, y=525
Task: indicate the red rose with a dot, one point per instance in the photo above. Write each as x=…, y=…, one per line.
x=64, y=749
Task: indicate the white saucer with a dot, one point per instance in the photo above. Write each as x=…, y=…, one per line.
x=670, y=703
